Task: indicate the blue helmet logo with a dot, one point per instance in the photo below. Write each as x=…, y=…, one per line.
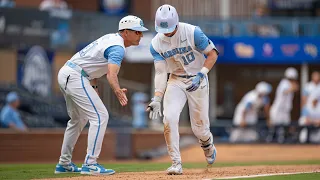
x=141, y=23
x=164, y=24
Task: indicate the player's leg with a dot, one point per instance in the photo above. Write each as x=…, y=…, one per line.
x=198, y=102
x=74, y=126
x=92, y=108
x=174, y=101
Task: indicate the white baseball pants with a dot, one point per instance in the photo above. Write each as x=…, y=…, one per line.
x=174, y=100
x=83, y=105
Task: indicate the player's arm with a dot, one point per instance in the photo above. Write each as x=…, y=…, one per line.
x=244, y=113
x=293, y=87
x=160, y=83
x=115, y=55
x=204, y=45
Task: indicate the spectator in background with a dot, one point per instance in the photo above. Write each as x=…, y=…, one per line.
x=246, y=113
x=10, y=117
x=53, y=4
x=310, y=87
x=280, y=111
x=263, y=29
x=7, y=3
x=311, y=118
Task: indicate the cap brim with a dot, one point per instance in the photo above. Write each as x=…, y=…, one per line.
x=139, y=29
x=165, y=30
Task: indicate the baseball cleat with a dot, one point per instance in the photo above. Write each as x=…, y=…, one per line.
x=95, y=169
x=211, y=154
x=69, y=168
x=175, y=169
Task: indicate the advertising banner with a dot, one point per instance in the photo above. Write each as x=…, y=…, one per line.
x=283, y=50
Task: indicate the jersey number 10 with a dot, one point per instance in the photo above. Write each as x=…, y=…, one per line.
x=187, y=59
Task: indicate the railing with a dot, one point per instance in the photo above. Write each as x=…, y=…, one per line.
x=66, y=30
x=268, y=27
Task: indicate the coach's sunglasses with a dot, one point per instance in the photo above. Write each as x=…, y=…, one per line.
x=137, y=32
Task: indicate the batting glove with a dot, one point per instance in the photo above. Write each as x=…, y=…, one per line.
x=196, y=82
x=155, y=108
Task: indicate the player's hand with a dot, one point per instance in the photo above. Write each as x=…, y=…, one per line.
x=243, y=124
x=196, y=82
x=154, y=108
x=122, y=97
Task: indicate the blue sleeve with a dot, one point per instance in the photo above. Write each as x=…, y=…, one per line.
x=114, y=54
x=305, y=92
x=17, y=120
x=201, y=41
x=6, y=117
x=155, y=54
x=266, y=100
x=304, y=112
x=248, y=105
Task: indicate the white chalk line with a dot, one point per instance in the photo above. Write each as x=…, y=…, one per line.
x=263, y=175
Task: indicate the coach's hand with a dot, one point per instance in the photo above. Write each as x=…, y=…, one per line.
x=196, y=82
x=122, y=97
x=154, y=108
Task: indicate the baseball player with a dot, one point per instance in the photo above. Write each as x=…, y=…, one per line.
x=179, y=49
x=246, y=113
x=311, y=86
x=311, y=117
x=280, y=111
x=77, y=81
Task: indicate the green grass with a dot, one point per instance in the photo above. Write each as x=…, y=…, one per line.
x=37, y=171
x=308, y=176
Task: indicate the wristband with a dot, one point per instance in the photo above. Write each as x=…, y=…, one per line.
x=157, y=98
x=204, y=70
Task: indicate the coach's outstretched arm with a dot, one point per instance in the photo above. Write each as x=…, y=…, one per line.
x=115, y=55
x=112, y=77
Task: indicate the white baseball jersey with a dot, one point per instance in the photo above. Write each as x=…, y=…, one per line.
x=282, y=105
x=311, y=111
x=252, y=103
x=183, y=51
x=283, y=102
x=92, y=58
x=184, y=55
x=83, y=102
x=309, y=88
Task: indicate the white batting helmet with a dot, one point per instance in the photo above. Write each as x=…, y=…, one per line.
x=132, y=23
x=166, y=19
x=291, y=73
x=263, y=88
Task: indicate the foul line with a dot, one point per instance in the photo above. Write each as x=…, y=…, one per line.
x=263, y=175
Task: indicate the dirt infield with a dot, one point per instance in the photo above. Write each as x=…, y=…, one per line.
x=252, y=153
x=203, y=173
x=230, y=153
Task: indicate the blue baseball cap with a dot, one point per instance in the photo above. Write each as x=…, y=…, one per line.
x=12, y=97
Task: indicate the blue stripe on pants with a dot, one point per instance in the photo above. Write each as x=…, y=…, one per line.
x=95, y=109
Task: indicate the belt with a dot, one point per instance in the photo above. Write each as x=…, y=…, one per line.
x=77, y=68
x=185, y=76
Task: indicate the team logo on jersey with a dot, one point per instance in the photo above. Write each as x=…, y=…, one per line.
x=164, y=24
x=175, y=51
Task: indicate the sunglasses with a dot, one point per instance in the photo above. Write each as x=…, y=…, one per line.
x=137, y=32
